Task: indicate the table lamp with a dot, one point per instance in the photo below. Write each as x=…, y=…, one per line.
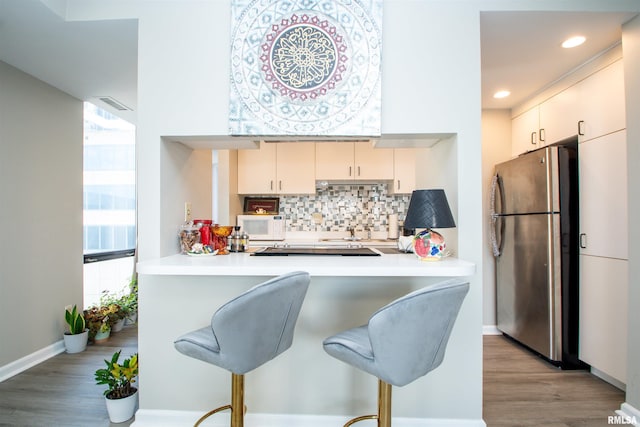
x=429, y=209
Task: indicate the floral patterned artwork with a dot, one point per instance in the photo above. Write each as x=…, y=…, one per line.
x=305, y=67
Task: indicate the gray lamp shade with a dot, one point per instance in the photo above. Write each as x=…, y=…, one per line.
x=429, y=209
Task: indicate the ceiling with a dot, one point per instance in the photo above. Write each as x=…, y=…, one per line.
x=95, y=59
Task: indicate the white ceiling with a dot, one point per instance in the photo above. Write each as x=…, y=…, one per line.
x=89, y=59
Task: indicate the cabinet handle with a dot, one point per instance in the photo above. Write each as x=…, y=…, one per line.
x=398, y=184
x=581, y=127
x=358, y=170
x=583, y=240
x=349, y=170
x=280, y=185
x=271, y=185
x=533, y=138
x=542, y=135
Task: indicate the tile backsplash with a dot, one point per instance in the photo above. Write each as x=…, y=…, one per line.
x=343, y=206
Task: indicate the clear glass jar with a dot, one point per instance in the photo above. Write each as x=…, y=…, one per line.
x=189, y=235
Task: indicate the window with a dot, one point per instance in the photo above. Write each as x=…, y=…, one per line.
x=109, y=203
x=109, y=182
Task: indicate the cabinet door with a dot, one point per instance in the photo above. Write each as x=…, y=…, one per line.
x=296, y=168
x=559, y=117
x=334, y=160
x=373, y=163
x=404, y=171
x=602, y=108
x=603, y=315
x=257, y=170
x=603, y=196
x=524, y=132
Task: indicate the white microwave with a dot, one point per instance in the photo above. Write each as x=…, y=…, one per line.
x=262, y=227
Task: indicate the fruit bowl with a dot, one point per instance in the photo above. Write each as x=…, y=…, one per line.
x=221, y=230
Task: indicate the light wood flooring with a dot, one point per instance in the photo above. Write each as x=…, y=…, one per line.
x=61, y=391
x=519, y=390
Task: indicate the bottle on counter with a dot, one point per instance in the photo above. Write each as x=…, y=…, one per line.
x=244, y=241
x=204, y=226
x=235, y=240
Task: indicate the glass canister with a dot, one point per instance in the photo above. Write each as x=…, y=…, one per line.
x=204, y=226
x=189, y=235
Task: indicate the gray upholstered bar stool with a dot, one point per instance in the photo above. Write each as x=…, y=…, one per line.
x=247, y=332
x=402, y=341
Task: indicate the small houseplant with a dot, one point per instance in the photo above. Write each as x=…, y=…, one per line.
x=97, y=319
x=121, y=396
x=110, y=303
x=77, y=335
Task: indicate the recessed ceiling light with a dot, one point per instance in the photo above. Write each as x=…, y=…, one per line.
x=501, y=94
x=573, y=42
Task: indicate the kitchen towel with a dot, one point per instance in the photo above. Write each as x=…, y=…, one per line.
x=393, y=226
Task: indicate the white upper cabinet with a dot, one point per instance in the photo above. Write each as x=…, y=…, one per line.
x=372, y=163
x=257, y=170
x=590, y=108
x=601, y=107
x=404, y=171
x=353, y=161
x=334, y=160
x=559, y=117
x=603, y=196
x=524, y=132
x=277, y=168
x=295, y=163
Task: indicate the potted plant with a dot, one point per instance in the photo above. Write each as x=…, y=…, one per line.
x=120, y=396
x=97, y=319
x=129, y=302
x=109, y=302
x=77, y=335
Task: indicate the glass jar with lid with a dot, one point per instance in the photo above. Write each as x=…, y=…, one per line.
x=189, y=235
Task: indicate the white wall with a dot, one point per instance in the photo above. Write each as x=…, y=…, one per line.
x=496, y=148
x=631, y=51
x=40, y=213
x=183, y=90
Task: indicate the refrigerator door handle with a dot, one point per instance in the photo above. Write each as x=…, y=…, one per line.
x=496, y=237
x=583, y=240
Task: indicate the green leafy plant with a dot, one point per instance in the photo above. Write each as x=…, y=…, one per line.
x=75, y=320
x=128, y=302
x=97, y=319
x=118, y=378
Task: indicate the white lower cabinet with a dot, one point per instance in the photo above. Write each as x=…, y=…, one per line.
x=603, y=315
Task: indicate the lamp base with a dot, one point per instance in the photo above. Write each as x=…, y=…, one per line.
x=429, y=245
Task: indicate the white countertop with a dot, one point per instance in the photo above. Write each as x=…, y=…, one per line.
x=243, y=264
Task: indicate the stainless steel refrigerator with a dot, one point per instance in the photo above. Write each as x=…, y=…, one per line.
x=535, y=243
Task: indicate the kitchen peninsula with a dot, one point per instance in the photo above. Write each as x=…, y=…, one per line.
x=304, y=386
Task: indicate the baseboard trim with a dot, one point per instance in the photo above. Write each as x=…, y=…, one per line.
x=490, y=330
x=630, y=414
x=164, y=418
x=26, y=362
x=608, y=378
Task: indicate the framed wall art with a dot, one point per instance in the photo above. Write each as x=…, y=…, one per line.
x=305, y=67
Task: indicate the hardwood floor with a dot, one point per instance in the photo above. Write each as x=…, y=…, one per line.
x=61, y=391
x=523, y=390
x=519, y=390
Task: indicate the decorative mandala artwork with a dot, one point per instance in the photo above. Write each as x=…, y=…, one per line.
x=305, y=67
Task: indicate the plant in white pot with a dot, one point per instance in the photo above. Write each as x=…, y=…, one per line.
x=121, y=397
x=75, y=338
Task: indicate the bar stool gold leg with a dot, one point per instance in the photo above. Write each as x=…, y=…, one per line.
x=237, y=406
x=384, y=404
x=384, y=407
x=237, y=400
